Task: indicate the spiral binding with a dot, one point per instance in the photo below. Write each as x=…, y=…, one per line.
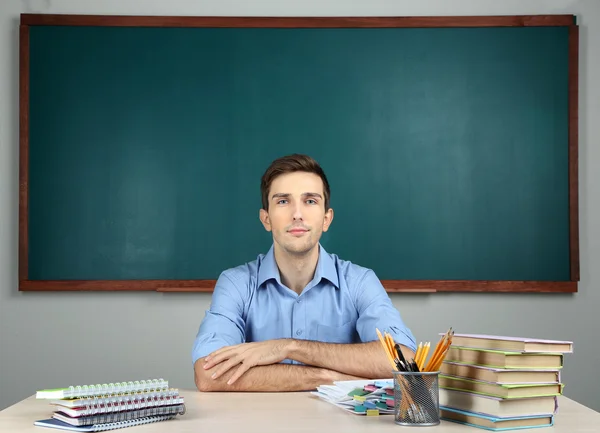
x=131, y=423
x=99, y=399
x=130, y=402
x=115, y=388
x=122, y=416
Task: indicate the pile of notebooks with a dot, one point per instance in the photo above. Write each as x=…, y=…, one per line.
x=502, y=383
x=360, y=397
x=111, y=406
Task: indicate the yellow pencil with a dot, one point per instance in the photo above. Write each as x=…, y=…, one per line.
x=440, y=351
x=390, y=342
x=419, y=353
x=386, y=349
x=442, y=356
x=434, y=355
x=424, y=356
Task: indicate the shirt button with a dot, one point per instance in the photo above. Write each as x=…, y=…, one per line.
x=299, y=332
x=298, y=300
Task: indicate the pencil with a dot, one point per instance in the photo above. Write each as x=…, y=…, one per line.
x=440, y=351
x=386, y=349
x=424, y=355
x=442, y=356
x=419, y=353
x=390, y=342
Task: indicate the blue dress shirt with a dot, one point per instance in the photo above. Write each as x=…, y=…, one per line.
x=343, y=303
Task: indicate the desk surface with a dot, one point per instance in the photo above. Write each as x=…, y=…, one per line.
x=280, y=412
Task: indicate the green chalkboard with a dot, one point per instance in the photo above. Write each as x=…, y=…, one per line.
x=447, y=148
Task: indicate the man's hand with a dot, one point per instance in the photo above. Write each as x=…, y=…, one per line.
x=247, y=355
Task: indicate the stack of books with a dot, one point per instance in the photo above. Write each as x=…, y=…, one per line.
x=111, y=406
x=502, y=383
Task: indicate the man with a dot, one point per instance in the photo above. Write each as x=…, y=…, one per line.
x=297, y=317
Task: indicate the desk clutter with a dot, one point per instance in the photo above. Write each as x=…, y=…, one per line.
x=360, y=397
x=411, y=395
x=91, y=408
x=487, y=381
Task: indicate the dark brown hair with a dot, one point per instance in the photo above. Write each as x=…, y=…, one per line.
x=290, y=164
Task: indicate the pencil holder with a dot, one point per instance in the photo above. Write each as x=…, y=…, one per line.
x=416, y=398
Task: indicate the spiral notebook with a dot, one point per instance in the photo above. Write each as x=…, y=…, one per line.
x=111, y=406
x=129, y=398
x=120, y=416
x=103, y=389
x=54, y=423
x=117, y=403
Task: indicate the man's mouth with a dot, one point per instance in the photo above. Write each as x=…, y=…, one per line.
x=297, y=231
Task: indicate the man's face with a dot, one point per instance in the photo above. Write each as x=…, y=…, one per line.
x=296, y=214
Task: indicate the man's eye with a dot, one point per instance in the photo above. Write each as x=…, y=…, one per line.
x=311, y=201
x=282, y=201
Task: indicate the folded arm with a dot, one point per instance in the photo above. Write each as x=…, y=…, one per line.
x=364, y=359
x=267, y=378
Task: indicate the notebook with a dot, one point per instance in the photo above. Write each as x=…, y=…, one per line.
x=135, y=398
x=120, y=416
x=54, y=423
x=114, y=404
x=111, y=406
x=103, y=389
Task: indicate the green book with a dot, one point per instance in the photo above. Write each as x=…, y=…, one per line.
x=502, y=359
x=500, y=390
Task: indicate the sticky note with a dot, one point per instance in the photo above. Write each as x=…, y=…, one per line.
x=372, y=412
x=357, y=391
x=360, y=398
x=360, y=408
x=370, y=404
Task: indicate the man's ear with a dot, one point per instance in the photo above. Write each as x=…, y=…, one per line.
x=328, y=219
x=264, y=219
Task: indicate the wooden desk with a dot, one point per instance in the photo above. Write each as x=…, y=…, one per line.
x=280, y=412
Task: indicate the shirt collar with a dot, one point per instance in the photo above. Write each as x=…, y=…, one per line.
x=325, y=268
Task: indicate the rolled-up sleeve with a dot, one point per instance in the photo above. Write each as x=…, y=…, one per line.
x=223, y=324
x=376, y=311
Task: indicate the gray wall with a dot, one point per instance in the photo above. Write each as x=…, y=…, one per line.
x=58, y=339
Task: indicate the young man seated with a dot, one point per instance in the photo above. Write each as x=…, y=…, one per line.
x=298, y=316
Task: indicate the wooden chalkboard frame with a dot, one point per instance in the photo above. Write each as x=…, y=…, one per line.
x=28, y=20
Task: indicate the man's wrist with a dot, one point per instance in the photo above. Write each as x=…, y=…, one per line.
x=291, y=348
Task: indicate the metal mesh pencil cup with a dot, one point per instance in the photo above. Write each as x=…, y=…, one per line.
x=416, y=398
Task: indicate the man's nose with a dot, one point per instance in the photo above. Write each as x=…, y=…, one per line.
x=297, y=214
